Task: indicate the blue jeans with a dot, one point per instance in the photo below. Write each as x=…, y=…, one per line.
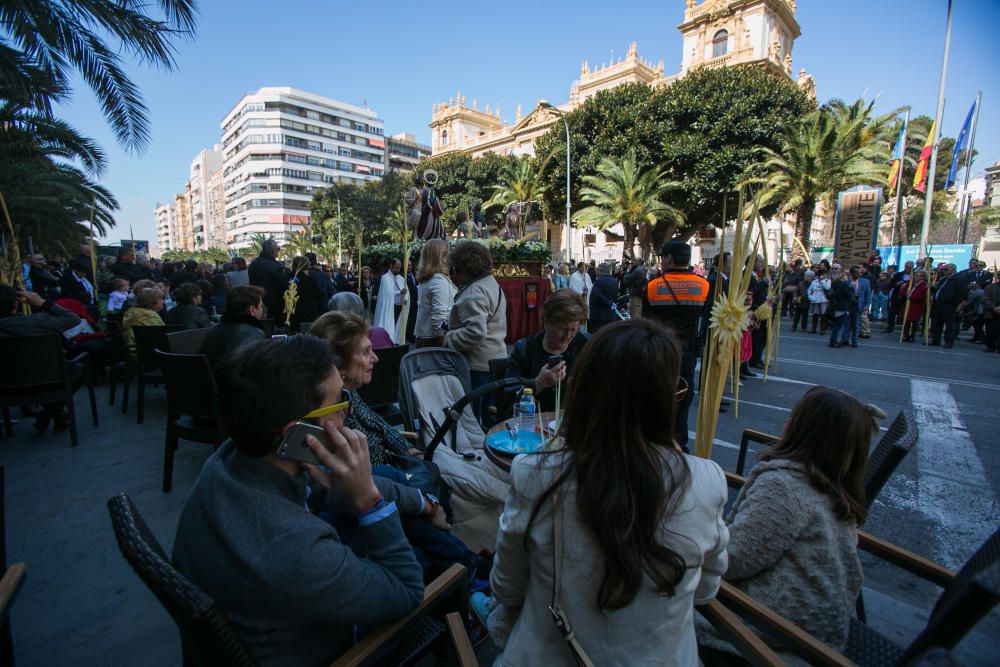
x=880, y=306
x=841, y=327
x=855, y=326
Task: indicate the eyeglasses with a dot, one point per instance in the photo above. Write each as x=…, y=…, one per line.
x=343, y=406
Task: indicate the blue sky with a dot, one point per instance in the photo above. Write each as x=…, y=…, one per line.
x=403, y=57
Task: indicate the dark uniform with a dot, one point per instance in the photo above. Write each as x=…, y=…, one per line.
x=677, y=298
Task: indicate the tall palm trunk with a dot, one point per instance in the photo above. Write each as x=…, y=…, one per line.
x=803, y=223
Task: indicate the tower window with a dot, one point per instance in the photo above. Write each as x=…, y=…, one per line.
x=444, y=137
x=719, y=43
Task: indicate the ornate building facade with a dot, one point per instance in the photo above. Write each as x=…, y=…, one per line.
x=715, y=33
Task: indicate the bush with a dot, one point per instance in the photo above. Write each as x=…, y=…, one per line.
x=377, y=256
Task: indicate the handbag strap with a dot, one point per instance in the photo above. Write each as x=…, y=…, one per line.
x=559, y=617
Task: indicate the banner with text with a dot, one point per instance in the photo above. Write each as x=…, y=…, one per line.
x=957, y=254
x=857, y=224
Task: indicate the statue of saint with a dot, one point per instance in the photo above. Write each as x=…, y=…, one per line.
x=423, y=211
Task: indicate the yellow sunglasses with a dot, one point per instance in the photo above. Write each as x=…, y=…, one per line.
x=329, y=410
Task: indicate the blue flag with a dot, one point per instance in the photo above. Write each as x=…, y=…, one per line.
x=963, y=137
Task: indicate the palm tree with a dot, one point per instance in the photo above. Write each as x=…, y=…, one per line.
x=620, y=193
x=46, y=41
x=826, y=151
x=520, y=182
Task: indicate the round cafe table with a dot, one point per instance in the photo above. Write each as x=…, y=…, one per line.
x=503, y=460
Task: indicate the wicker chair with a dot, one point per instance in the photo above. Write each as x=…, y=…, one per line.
x=382, y=393
x=192, y=406
x=207, y=636
x=187, y=341
x=10, y=585
x=968, y=596
x=122, y=364
x=147, y=341
x=36, y=371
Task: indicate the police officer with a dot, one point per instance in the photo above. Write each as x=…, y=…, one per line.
x=677, y=297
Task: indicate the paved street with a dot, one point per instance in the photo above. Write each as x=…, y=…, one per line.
x=83, y=605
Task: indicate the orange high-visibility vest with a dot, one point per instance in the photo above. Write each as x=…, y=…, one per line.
x=677, y=297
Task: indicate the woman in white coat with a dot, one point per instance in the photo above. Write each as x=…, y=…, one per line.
x=637, y=522
x=435, y=294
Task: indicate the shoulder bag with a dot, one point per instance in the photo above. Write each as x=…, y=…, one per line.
x=559, y=616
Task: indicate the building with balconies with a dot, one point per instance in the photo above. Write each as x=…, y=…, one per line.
x=280, y=145
x=161, y=217
x=403, y=152
x=203, y=167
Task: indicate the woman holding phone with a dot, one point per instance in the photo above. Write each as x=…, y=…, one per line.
x=546, y=358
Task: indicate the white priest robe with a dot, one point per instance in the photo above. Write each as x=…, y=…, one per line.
x=385, y=313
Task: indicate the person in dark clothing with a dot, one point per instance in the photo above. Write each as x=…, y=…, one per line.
x=311, y=303
x=84, y=259
x=343, y=281
x=759, y=287
x=42, y=280
x=188, y=312
x=187, y=274
x=896, y=298
x=240, y=324
x=562, y=314
x=126, y=267
x=75, y=285
x=267, y=273
x=635, y=280
x=678, y=297
x=602, y=298
x=220, y=287
x=948, y=293
x=322, y=280
x=790, y=288
x=841, y=303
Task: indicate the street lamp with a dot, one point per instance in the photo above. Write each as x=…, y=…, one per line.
x=569, y=242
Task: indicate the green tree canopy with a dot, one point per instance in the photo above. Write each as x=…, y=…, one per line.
x=464, y=181
x=704, y=130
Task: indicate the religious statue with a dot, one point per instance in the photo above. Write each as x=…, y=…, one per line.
x=423, y=211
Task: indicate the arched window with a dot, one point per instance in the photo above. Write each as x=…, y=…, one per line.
x=719, y=43
x=444, y=137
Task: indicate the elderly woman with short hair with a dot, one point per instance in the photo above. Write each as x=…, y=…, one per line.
x=477, y=326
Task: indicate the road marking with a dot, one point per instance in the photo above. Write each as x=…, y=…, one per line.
x=952, y=490
x=867, y=343
x=725, y=444
x=778, y=378
x=874, y=371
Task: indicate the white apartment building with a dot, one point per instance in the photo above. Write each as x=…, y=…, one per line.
x=282, y=144
x=206, y=232
x=161, y=216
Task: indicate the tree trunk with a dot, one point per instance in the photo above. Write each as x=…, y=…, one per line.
x=628, y=247
x=803, y=224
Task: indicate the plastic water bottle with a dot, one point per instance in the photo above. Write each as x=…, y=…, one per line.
x=526, y=409
x=215, y=315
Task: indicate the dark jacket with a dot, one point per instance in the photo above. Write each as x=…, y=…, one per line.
x=843, y=295
x=188, y=316
x=635, y=281
x=229, y=334
x=528, y=357
x=311, y=303
x=281, y=574
x=602, y=297
x=678, y=298
x=72, y=289
x=182, y=276
x=323, y=282
x=131, y=271
x=51, y=319
x=268, y=273
x=43, y=282
x=950, y=291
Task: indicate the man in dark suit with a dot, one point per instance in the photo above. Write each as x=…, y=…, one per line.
x=267, y=273
x=126, y=267
x=976, y=273
x=948, y=293
x=186, y=274
x=602, y=297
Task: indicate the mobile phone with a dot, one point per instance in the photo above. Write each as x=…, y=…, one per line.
x=293, y=446
x=554, y=360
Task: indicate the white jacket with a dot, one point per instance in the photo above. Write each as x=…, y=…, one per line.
x=817, y=290
x=435, y=299
x=478, y=323
x=652, y=630
x=581, y=283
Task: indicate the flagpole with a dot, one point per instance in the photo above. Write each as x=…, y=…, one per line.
x=899, y=192
x=966, y=196
x=929, y=198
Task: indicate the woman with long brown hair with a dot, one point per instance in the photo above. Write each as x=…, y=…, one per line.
x=638, y=523
x=793, y=528
x=436, y=294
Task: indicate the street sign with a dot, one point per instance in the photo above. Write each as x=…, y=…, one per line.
x=857, y=224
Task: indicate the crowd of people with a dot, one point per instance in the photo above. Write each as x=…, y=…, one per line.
x=613, y=526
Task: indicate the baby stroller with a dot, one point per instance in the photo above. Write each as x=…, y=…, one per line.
x=435, y=399
x=621, y=308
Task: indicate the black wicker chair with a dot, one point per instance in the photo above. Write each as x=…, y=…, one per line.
x=36, y=371
x=187, y=341
x=147, y=341
x=192, y=406
x=207, y=636
x=10, y=585
x=382, y=393
x=122, y=365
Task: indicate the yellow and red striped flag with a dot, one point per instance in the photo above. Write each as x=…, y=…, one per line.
x=920, y=177
x=897, y=158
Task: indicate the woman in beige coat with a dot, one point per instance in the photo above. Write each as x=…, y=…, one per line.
x=477, y=326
